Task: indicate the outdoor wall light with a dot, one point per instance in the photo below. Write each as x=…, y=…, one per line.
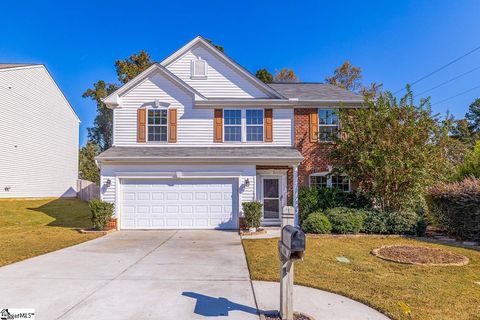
x=7, y=188
x=247, y=183
x=108, y=183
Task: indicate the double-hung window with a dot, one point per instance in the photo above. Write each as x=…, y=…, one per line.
x=326, y=180
x=327, y=124
x=157, y=124
x=254, y=125
x=232, y=125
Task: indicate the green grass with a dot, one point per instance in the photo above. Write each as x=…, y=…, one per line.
x=430, y=292
x=32, y=227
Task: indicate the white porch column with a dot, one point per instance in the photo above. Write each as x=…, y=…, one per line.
x=295, y=194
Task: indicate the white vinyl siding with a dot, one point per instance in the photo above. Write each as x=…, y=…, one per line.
x=39, y=136
x=194, y=126
x=222, y=81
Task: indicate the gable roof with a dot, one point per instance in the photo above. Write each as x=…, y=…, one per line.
x=222, y=56
x=13, y=67
x=112, y=100
x=16, y=65
x=315, y=91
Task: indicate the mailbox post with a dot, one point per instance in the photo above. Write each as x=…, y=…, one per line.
x=291, y=247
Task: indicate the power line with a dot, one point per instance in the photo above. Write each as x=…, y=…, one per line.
x=459, y=94
x=439, y=69
x=448, y=81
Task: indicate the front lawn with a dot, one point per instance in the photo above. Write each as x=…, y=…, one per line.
x=448, y=292
x=32, y=227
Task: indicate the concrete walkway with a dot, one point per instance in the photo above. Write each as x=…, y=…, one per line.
x=136, y=275
x=319, y=304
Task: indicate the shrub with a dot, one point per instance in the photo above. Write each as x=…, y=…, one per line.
x=253, y=213
x=471, y=164
x=346, y=220
x=313, y=199
x=307, y=202
x=456, y=207
x=317, y=222
x=375, y=222
x=402, y=222
x=101, y=213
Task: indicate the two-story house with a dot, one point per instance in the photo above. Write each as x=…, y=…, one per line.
x=196, y=135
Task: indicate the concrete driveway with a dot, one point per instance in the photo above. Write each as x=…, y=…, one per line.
x=136, y=275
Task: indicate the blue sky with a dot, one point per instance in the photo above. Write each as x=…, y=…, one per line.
x=395, y=42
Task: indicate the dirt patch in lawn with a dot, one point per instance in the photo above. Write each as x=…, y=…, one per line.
x=420, y=255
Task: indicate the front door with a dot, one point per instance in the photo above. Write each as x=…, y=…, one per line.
x=271, y=198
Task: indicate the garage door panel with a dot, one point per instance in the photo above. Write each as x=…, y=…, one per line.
x=159, y=204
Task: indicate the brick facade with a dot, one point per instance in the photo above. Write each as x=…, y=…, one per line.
x=315, y=153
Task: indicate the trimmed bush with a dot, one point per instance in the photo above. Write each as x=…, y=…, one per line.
x=253, y=213
x=313, y=199
x=375, y=222
x=102, y=213
x=346, y=220
x=402, y=222
x=317, y=222
x=456, y=207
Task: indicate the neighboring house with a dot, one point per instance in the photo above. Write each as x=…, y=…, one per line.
x=196, y=135
x=38, y=135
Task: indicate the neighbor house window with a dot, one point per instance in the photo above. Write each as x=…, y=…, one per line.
x=199, y=69
x=254, y=125
x=232, y=120
x=340, y=182
x=326, y=180
x=327, y=124
x=157, y=125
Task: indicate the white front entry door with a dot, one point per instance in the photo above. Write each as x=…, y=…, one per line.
x=178, y=204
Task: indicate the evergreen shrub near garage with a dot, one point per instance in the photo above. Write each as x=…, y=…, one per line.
x=456, y=207
x=102, y=213
x=317, y=222
x=253, y=213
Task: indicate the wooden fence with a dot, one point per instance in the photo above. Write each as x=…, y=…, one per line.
x=87, y=190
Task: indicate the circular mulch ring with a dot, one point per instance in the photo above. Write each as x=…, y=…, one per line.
x=420, y=256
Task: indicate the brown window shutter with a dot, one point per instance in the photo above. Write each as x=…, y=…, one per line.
x=141, y=125
x=172, y=125
x=268, y=125
x=314, y=125
x=218, y=126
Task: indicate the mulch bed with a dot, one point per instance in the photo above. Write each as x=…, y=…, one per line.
x=296, y=316
x=248, y=233
x=103, y=232
x=420, y=255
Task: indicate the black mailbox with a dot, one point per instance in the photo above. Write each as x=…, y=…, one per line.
x=292, y=242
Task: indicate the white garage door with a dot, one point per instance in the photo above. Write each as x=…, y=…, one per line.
x=178, y=204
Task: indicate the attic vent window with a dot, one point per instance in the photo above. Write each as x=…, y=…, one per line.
x=199, y=69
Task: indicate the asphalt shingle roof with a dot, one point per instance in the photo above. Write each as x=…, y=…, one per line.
x=314, y=91
x=14, y=65
x=209, y=154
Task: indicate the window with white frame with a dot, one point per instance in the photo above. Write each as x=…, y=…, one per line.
x=157, y=125
x=327, y=124
x=199, y=69
x=254, y=119
x=232, y=125
x=326, y=180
